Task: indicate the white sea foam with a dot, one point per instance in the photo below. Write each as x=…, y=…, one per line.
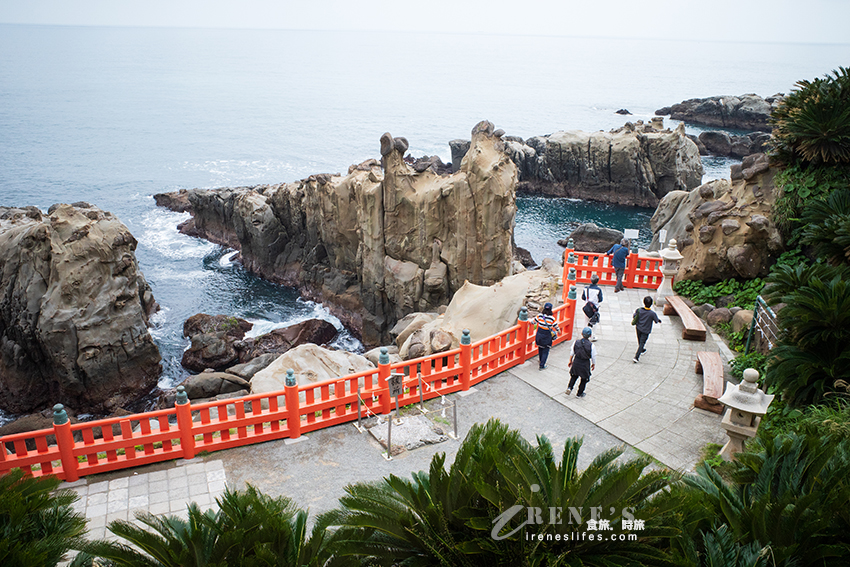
x=226, y=261
x=160, y=234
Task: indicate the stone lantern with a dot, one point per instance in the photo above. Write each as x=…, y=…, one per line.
x=746, y=403
x=669, y=267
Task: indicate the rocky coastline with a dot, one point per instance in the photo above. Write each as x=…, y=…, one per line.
x=744, y=112
x=391, y=241
x=635, y=165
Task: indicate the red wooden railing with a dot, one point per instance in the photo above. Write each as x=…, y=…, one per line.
x=641, y=271
x=72, y=451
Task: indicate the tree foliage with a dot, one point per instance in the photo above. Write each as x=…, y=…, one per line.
x=37, y=523
x=812, y=124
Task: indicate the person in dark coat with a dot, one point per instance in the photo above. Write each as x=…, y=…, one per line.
x=547, y=331
x=582, y=361
x=643, y=319
x=619, y=252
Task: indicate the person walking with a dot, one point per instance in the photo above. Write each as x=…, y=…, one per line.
x=582, y=361
x=619, y=253
x=592, y=294
x=643, y=319
x=547, y=331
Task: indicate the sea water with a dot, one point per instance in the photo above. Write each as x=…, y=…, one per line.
x=113, y=115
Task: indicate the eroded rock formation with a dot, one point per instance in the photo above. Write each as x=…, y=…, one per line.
x=724, y=228
x=634, y=165
x=380, y=242
x=74, y=308
x=745, y=112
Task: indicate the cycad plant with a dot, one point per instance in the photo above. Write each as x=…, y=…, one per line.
x=506, y=502
x=827, y=226
x=249, y=529
x=812, y=123
x=812, y=358
x=37, y=524
x=789, y=502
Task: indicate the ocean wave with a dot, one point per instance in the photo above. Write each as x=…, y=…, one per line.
x=160, y=235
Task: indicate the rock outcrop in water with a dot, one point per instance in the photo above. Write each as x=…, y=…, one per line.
x=724, y=228
x=634, y=165
x=383, y=241
x=745, y=112
x=74, y=308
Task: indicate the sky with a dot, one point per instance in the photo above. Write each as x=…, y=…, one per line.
x=794, y=21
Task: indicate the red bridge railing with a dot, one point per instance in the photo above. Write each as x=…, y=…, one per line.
x=73, y=451
x=641, y=271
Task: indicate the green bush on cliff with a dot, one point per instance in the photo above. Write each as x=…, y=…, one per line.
x=812, y=124
x=800, y=185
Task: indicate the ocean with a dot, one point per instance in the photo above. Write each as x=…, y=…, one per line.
x=113, y=115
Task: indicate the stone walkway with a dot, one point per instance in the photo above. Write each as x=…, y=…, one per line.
x=648, y=405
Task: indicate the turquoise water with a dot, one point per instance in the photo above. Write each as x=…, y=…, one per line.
x=114, y=115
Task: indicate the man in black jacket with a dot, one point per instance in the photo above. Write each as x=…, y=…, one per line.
x=643, y=319
x=582, y=361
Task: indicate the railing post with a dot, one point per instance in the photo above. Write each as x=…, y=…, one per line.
x=567, y=252
x=570, y=300
x=522, y=334
x=293, y=410
x=569, y=263
x=65, y=441
x=383, y=374
x=184, y=423
x=465, y=359
x=570, y=312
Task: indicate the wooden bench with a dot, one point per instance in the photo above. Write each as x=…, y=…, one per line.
x=710, y=366
x=694, y=329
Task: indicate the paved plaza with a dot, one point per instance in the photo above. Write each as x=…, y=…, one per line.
x=646, y=406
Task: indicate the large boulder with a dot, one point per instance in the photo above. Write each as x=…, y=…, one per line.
x=211, y=384
x=312, y=364
x=278, y=341
x=380, y=242
x=591, y=238
x=248, y=369
x=483, y=310
x=725, y=144
x=213, y=341
x=74, y=310
x=724, y=229
x=745, y=112
x=742, y=320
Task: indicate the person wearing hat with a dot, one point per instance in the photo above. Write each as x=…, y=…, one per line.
x=582, y=361
x=547, y=331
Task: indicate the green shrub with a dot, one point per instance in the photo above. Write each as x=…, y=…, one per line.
x=754, y=360
x=812, y=124
x=802, y=184
x=745, y=291
x=37, y=524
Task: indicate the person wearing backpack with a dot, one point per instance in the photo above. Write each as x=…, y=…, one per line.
x=582, y=361
x=547, y=331
x=643, y=319
x=592, y=294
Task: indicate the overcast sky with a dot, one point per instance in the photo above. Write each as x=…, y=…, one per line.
x=807, y=21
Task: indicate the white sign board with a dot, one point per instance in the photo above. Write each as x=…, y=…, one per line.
x=631, y=233
x=662, y=237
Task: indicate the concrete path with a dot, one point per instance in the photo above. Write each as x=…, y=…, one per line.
x=648, y=405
